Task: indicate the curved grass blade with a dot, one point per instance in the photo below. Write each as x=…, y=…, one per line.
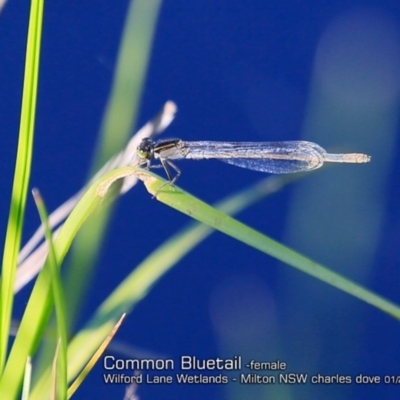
x=137, y=285
x=193, y=207
x=141, y=280
x=38, y=309
x=31, y=258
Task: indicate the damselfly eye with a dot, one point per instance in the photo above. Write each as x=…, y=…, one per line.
x=143, y=154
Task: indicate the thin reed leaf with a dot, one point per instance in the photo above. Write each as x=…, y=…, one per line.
x=26, y=386
x=189, y=205
x=118, y=123
x=92, y=362
x=60, y=358
x=21, y=175
x=38, y=309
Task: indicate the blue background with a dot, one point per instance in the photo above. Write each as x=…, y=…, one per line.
x=256, y=70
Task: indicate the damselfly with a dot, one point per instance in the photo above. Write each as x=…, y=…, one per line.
x=271, y=157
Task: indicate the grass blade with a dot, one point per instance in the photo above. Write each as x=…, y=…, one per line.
x=22, y=173
x=37, y=311
x=89, y=366
x=139, y=282
x=117, y=125
x=193, y=207
x=60, y=361
x=27, y=380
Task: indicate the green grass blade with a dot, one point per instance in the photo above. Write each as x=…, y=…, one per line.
x=27, y=380
x=37, y=311
x=21, y=175
x=117, y=126
x=140, y=281
x=130, y=75
x=59, y=302
x=189, y=205
x=95, y=358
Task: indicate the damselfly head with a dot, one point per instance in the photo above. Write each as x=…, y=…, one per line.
x=145, y=150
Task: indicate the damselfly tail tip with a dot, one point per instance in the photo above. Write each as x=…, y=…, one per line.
x=359, y=158
x=353, y=158
x=365, y=158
